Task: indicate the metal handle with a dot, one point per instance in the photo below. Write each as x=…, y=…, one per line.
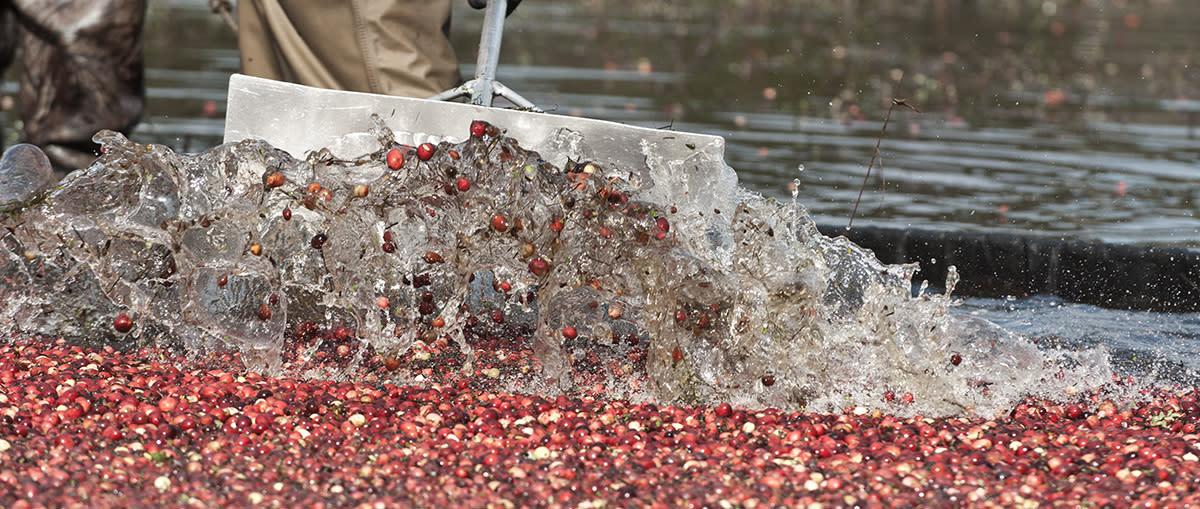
x=484, y=88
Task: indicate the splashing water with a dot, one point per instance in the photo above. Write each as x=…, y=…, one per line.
x=727, y=296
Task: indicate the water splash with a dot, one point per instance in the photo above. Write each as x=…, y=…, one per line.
x=722, y=294
x=24, y=171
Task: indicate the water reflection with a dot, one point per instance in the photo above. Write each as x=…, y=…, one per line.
x=1055, y=118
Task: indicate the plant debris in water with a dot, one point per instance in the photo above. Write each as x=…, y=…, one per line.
x=613, y=281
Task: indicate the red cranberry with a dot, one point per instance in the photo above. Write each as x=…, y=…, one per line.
x=724, y=410
x=569, y=332
x=122, y=323
x=395, y=159
x=463, y=185
x=499, y=223
x=478, y=128
x=425, y=151
x=539, y=267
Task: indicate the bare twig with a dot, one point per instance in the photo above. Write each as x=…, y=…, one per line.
x=875, y=154
x=225, y=9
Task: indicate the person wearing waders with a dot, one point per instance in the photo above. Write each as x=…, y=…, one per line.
x=393, y=47
x=81, y=71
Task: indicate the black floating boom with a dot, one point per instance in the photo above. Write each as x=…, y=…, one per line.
x=996, y=265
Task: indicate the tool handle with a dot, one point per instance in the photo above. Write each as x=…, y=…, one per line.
x=489, y=51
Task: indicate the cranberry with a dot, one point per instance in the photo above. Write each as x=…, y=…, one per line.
x=539, y=267
x=724, y=410
x=318, y=240
x=569, y=332
x=122, y=323
x=425, y=151
x=463, y=185
x=275, y=179
x=287, y=214
x=478, y=128
x=395, y=159
x=499, y=223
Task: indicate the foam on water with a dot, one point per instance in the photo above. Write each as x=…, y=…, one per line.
x=739, y=298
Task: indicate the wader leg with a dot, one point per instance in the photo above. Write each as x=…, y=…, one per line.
x=397, y=47
x=83, y=72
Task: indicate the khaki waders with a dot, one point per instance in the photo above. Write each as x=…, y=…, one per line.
x=393, y=47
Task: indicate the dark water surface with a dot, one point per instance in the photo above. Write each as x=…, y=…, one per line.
x=1059, y=119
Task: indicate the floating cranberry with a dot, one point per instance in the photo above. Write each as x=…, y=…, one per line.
x=264, y=312
x=677, y=355
x=499, y=223
x=504, y=287
x=361, y=190
x=539, y=267
x=478, y=128
x=122, y=323
x=318, y=240
x=237, y=424
x=425, y=151
x=388, y=247
x=463, y=185
x=222, y=280
x=432, y=257
x=663, y=224
x=556, y=225
x=724, y=410
x=498, y=316
x=955, y=359
x=680, y=316
x=768, y=380
x=907, y=397
x=395, y=159
x=888, y=396
x=287, y=214
x=569, y=332
x=382, y=302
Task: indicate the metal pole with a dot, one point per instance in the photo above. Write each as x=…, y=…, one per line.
x=489, y=53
